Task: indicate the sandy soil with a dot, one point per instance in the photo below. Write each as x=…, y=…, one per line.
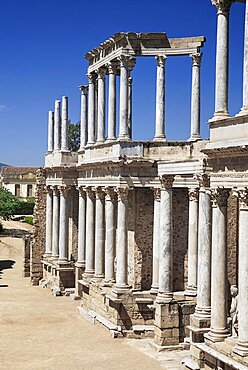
x=40, y=331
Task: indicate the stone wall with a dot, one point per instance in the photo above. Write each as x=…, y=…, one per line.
x=38, y=243
x=26, y=256
x=180, y=206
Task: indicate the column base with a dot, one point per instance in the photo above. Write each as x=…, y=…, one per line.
x=199, y=326
x=54, y=257
x=124, y=138
x=160, y=138
x=241, y=348
x=81, y=150
x=110, y=139
x=154, y=289
x=191, y=292
x=220, y=115
x=63, y=261
x=217, y=335
x=194, y=138
x=243, y=112
x=100, y=141
x=89, y=144
x=97, y=278
x=47, y=255
x=120, y=289
x=88, y=275
x=164, y=297
x=108, y=283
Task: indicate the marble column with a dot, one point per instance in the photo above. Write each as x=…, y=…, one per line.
x=55, y=238
x=64, y=125
x=81, y=227
x=165, y=292
x=99, y=234
x=57, y=128
x=203, y=307
x=50, y=145
x=122, y=247
x=91, y=109
x=244, y=109
x=101, y=105
x=219, y=329
x=110, y=235
x=49, y=221
x=160, y=99
x=130, y=106
x=222, y=58
x=112, y=102
x=124, y=74
x=192, y=241
x=83, y=117
x=63, y=225
x=90, y=233
x=195, y=97
x=241, y=347
x=156, y=241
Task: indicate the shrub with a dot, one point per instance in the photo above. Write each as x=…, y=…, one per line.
x=29, y=220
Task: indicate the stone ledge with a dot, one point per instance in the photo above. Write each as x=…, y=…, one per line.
x=84, y=283
x=114, y=299
x=92, y=316
x=144, y=300
x=143, y=328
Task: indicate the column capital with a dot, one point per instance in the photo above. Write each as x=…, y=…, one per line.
x=202, y=179
x=110, y=193
x=193, y=194
x=196, y=59
x=92, y=78
x=161, y=59
x=127, y=61
x=130, y=81
x=84, y=89
x=63, y=190
x=99, y=192
x=242, y=195
x=223, y=6
x=112, y=67
x=55, y=190
x=219, y=197
x=122, y=194
x=101, y=72
x=49, y=189
x=166, y=181
x=81, y=191
x=157, y=194
x=90, y=192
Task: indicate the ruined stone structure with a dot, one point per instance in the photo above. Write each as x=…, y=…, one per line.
x=152, y=234
x=20, y=181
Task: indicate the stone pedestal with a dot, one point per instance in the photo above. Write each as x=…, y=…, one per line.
x=166, y=332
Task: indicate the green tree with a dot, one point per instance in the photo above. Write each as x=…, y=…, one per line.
x=74, y=136
x=9, y=204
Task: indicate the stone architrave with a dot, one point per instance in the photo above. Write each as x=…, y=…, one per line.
x=165, y=293
x=112, y=102
x=156, y=241
x=219, y=329
x=91, y=109
x=99, y=234
x=50, y=145
x=160, y=99
x=241, y=347
x=101, y=105
x=222, y=58
x=63, y=225
x=195, y=97
x=49, y=221
x=55, y=238
x=57, y=124
x=193, y=241
x=90, y=233
x=110, y=235
x=83, y=117
x=64, y=125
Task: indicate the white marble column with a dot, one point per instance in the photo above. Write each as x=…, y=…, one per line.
x=57, y=124
x=124, y=74
x=110, y=240
x=64, y=125
x=83, y=117
x=55, y=238
x=101, y=105
x=63, y=225
x=203, y=307
x=112, y=102
x=91, y=109
x=156, y=241
x=241, y=347
x=166, y=248
x=81, y=227
x=192, y=241
x=130, y=106
x=90, y=233
x=99, y=234
x=195, y=97
x=244, y=109
x=219, y=329
x=49, y=221
x=160, y=99
x=122, y=247
x=222, y=58
x=50, y=145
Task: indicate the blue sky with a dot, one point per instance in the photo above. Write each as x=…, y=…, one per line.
x=42, y=47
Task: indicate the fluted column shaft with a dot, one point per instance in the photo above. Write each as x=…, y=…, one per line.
x=83, y=117
x=50, y=145
x=55, y=239
x=110, y=235
x=64, y=125
x=219, y=330
x=101, y=106
x=195, y=97
x=160, y=99
x=121, y=253
x=99, y=234
x=241, y=347
x=49, y=221
x=57, y=128
x=166, y=248
x=81, y=227
x=90, y=233
x=156, y=242
x=63, y=225
x=91, y=110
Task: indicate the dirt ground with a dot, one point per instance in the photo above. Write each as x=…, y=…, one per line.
x=40, y=331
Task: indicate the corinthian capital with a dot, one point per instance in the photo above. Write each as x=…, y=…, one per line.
x=202, y=179
x=166, y=181
x=223, y=6
x=122, y=194
x=160, y=60
x=242, y=196
x=193, y=194
x=84, y=89
x=219, y=197
x=196, y=59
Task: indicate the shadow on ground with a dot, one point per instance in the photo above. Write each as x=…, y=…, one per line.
x=15, y=233
x=4, y=265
